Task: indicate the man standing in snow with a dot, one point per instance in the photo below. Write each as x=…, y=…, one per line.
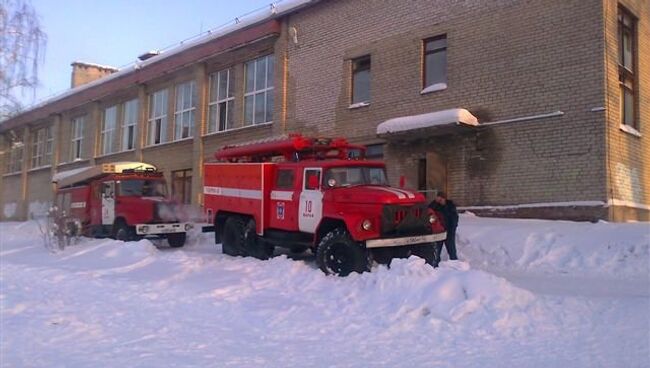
x=447, y=208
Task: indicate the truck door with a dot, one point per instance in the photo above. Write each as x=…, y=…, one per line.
x=310, y=209
x=108, y=202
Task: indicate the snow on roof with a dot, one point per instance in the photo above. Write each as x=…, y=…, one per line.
x=443, y=117
x=275, y=10
x=99, y=66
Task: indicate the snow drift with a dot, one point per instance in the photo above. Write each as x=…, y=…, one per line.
x=108, y=303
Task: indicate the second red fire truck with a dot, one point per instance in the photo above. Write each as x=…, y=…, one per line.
x=304, y=193
x=123, y=200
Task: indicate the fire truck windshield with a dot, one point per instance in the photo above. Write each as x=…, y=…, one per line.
x=347, y=176
x=142, y=188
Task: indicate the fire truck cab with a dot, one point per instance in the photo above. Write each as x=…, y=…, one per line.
x=303, y=193
x=123, y=200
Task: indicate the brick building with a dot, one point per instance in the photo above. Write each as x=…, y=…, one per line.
x=515, y=108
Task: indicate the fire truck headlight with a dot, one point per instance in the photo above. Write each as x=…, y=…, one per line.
x=366, y=225
x=144, y=229
x=188, y=227
x=432, y=218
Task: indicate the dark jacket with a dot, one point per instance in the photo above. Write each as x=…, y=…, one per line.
x=449, y=213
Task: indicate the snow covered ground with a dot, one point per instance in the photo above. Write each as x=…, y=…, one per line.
x=528, y=293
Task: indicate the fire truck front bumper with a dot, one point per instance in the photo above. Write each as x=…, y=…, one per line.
x=407, y=240
x=159, y=229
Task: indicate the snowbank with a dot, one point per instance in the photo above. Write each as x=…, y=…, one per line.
x=606, y=250
x=107, y=303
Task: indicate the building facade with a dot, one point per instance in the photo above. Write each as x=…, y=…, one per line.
x=560, y=90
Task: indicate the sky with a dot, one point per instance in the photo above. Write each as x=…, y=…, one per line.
x=115, y=32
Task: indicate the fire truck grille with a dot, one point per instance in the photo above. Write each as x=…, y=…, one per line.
x=400, y=221
x=164, y=212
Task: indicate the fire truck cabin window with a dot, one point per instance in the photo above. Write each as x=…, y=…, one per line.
x=143, y=188
x=337, y=177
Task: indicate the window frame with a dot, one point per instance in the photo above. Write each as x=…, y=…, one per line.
x=267, y=91
x=42, y=144
x=15, y=161
x=161, y=96
x=628, y=76
x=434, y=50
x=127, y=124
x=215, y=103
x=107, y=136
x=354, y=69
x=76, y=134
x=180, y=124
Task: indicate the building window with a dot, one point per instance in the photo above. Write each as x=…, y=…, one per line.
x=626, y=67
x=361, y=80
x=157, y=124
x=375, y=151
x=42, y=142
x=15, y=162
x=77, y=132
x=109, y=128
x=185, y=108
x=222, y=98
x=182, y=186
x=258, y=97
x=435, y=63
x=129, y=124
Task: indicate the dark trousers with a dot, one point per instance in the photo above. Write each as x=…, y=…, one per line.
x=450, y=245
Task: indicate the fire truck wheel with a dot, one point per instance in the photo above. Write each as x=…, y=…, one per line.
x=253, y=245
x=426, y=252
x=122, y=232
x=338, y=254
x=176, y=240
x=232, y=237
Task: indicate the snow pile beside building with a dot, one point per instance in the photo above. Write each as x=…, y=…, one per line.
x=556, y=247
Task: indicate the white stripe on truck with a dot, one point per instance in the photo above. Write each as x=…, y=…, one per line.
x=399, y=194
x=233, y=192
x=280, y=195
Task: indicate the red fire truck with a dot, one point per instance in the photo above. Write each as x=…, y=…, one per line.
x=123, y=200
x=304, y=193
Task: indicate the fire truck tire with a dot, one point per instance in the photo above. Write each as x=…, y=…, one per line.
x=253, y=245
x=176, y=240
x=338, y=254
x=121, y=231
x=426, y=252
x=232, y=239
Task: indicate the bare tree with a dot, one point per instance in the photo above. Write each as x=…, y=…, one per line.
x=58, y=230
x=22, y=44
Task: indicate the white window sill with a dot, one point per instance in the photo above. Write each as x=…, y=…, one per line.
x=630, y=130
x=221, y=132
x=434, y=88
x=40, y=168
x=12, y=174
x=168, y=143
x=358, y=105
x=114, y=153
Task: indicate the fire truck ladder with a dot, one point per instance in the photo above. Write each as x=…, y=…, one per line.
x=293, y=148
